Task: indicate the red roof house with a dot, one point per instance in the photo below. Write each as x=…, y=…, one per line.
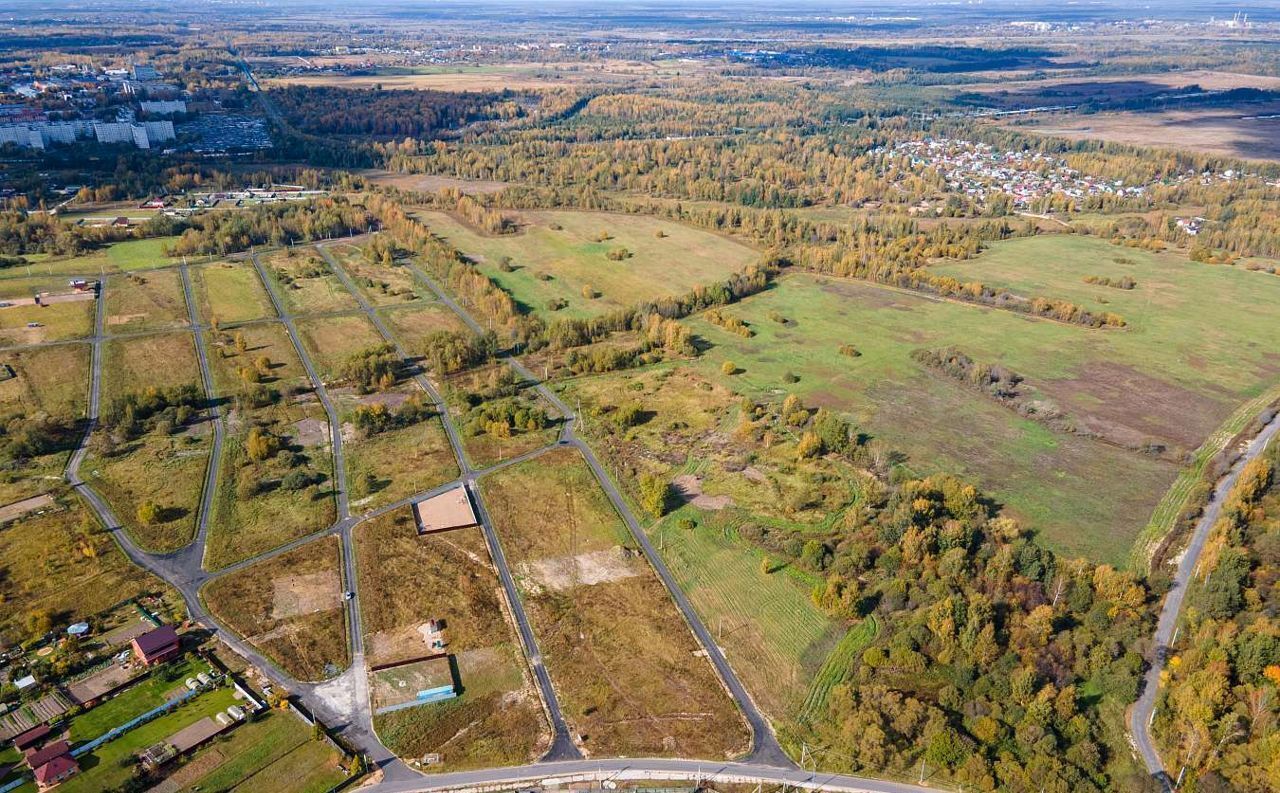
x=157, y=646
x=32, y=737
x=56, y=771
x=38, y=757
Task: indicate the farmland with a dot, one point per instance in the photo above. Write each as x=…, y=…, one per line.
x=570, y=250
x=229, y=293
x=62, y=563
x=406, y=580
x=126, y=256
x=590, y=597
x=262, y=503
x=289, y=607
x=150, y=301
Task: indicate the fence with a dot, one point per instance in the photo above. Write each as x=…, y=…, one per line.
x=117, y=731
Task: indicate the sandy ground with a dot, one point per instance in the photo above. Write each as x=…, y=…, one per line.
x=689, y=487
x=598, y=567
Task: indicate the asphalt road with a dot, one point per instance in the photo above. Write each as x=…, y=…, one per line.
x=1143, y=711
x=215, y=413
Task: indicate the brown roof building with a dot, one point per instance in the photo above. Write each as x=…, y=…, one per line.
x=32, y=737
x=449, y=510
x=157, y=646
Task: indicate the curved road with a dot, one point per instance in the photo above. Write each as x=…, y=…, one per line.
x=1143, y=711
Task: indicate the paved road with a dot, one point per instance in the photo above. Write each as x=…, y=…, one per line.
x=215, y=412
x=764, y=745
x=1143, y=710
x=562, y=746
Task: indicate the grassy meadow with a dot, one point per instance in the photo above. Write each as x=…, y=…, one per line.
x=229, y=293
x=145, y=301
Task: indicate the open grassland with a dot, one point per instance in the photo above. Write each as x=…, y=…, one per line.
x=229, y=293
x=275, y=751
x=62, y=563
x=412, y=325
x=167, y=469
x=576, y=261
x=145, y=301
x=593, y=602
x=305, y=282
x=52, y=381
x=1087, y=497
x=331, y=341
x=256, y=506
x=390, y=465
x=766, y=623
x=406, y=580
x=118, y=257
x=487, y=440
x=289, y=607
x=382, y=283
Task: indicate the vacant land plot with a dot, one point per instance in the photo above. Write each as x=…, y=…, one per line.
x=406, y=580
x=1056, y=482
x=115, y=258
x=63, y=563
x=229, y=293
x=47, y=381
x=264, y=503
x=289, y=607
x=382, y=283
x=559, y=258
x=664, y=700
x=166, y=469
x=23, y=322
x=390, y=465
x=333, y=340
x=430, y=183
x=305, y=282
x=413, y=325
x=275, y=751
x=145, y=301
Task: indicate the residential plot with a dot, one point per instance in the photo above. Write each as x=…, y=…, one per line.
x=498, y=416
x=627, y=670
x=306, y=284
x=275, y=751
x=229, y=293
x=44, y=389
x=65, y=315
x=159, y=462
x=145, y=301
x=117, y=257
x=275, y=480
x=387, y=465
x=406, y=580
x=332, y=341
x=559, y=263
x=289, y=607
x=63, y=564
x=382, y=281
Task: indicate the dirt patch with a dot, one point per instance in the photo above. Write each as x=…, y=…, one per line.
x=754, y=474
x=689, y=487
x=124, y=319
x=1128, y=407
x=305, y=594
x=311, y=432
x=19, y=508
x=598, y=567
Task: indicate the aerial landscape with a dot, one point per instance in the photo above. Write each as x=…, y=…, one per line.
x=869, y=397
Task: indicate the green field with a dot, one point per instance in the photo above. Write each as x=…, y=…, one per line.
x=32, y=324
x=229, y=293
x=575, y=260
x=153, y=691
x=118, y=257
x=275, y=751
x=413, y=324
x=145, y=301
x=47, y=380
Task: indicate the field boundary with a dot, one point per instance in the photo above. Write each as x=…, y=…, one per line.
x=1175, y=498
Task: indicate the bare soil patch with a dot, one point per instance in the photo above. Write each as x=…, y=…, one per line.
x=311, y=432
x=689, y=486
x=597, y=567
x=19, y=508
x=305, y=594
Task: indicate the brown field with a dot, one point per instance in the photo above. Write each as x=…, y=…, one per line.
x=406, y=580
x=145, y=301
x=391, y=465
x=289, y=607
x=665, y=700
x=64, y=563
x=411, y=326
x=1229, y=131
x=381, y=284
x=332, y=340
